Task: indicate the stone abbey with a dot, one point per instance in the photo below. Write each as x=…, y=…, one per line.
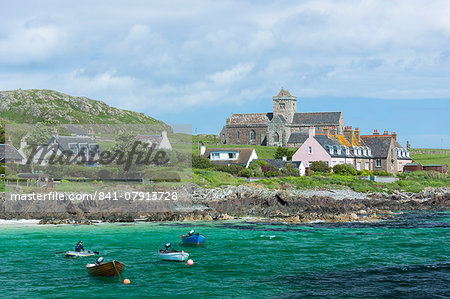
x=282, y=127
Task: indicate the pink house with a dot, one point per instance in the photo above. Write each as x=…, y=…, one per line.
x=323, y=148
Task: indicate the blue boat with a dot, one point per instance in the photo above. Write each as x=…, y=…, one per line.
x=193, y=239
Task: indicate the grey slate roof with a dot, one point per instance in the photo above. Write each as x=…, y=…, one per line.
x=297, y=137
x=67, y=143
x=325, y=141
x=379, y=145
x=153, y=139
x=9, y=153
x=76, y=130
x=278, y=163
x=251, y=118
x=317, y=118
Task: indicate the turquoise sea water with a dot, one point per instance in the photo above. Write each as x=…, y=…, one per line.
x=408, y=257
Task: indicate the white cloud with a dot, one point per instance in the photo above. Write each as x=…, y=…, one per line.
x=232, y=75
x=30, y=44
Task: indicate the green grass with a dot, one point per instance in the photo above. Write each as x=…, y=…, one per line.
x=211, y=178
x=432, y=158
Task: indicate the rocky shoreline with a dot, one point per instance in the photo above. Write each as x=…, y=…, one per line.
x=259, y=204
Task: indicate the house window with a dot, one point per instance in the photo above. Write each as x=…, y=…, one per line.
x=331, y=150
x=333, y=163
x=366, y=166
x=231, y=155
x=238, y=135
x=400, y=166
x=341, y=162
x=282, y=106
x=252, y=135
x=276, y=137
x=378, y=162
x=215, y=156
x=358, y=166
x=309, y=149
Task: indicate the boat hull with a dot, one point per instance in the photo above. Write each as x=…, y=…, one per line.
x=78, y=254
x=110, y=269
x=176, y=256
x=195, y=239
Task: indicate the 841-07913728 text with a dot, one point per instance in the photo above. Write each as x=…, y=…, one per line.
x=135, y=195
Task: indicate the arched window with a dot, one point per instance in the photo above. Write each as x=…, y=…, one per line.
x=252, y=135
x=276, y=137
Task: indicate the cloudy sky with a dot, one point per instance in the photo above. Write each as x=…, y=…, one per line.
x=385, y=64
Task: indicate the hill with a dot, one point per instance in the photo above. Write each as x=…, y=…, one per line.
x=37, y=105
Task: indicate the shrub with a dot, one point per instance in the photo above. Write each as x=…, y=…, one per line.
x=258, y=164
x=200, y=162
x=319, y=166
x=382, y=173
x=366, y=172
x=231, y=169
x=290, y=170
x=345, y=169
x=247, y=173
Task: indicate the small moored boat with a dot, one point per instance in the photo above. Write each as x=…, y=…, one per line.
x=110, y=269
x=78, y=254
x=193, y=239
x=173, y=255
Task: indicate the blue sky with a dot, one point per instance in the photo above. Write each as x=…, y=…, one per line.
x=385, y=64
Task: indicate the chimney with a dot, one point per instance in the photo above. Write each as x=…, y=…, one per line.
x=91, y=133
x=385, y=133
x=9, y=141
x=357, y=134
x=55, y=132
x=312, y=131
x=394, y=136
x=202, y=150
x=375, y=132
x=334, y=131
x=326, y=131
x=348, y=133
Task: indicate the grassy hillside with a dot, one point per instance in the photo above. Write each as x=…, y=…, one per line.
x=36, y=105
x=431, y=156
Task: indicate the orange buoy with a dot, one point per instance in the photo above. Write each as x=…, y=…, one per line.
x=126, y=281
x=190, y=262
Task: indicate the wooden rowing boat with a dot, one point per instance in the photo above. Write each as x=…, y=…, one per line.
x=114, y=268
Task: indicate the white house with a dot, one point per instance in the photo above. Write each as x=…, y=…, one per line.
x=229, y=156
x=159, y=141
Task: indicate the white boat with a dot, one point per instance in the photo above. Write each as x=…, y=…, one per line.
x=178, y=256
x=79, y=254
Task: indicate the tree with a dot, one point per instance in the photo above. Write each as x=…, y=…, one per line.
x=319, y=166
x=283, y=151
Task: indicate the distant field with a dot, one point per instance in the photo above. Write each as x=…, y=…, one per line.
x=431, y=156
